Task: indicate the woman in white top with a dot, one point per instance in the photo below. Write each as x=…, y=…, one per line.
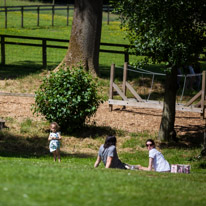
x=156, y=159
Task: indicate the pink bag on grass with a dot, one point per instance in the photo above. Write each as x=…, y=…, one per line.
x=179, y=168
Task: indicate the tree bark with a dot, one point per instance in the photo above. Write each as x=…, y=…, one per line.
x=166, y=131
x=85, y=35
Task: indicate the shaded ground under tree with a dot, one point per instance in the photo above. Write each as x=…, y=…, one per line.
x=120, y=122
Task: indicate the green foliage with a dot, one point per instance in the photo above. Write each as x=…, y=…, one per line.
x=166, y=31
x=68, y=97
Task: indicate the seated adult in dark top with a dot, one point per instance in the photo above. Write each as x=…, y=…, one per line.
x=108, y=155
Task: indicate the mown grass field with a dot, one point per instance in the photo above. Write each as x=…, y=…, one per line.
x=110, y=34
x=29, y=177
x=75, y=182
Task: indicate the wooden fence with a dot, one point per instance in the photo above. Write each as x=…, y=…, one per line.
x=196, y=104
x=39, y=8
x=43, y=43
x=13, y=40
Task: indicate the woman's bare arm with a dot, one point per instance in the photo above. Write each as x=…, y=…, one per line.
x=149, y=168
x=96, y=164
x=109, y=162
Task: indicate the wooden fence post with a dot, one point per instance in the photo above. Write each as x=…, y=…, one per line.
x=203, y=93
x=52, y=15
x=44, y=53
x=111, y=85
x=5, y=17
x=124, y=88
x=126, y=56
x=108, y=14
x=124, y=78
x=3, y=50
x=107, y=9
x=67, y=15
x=204, y=142
x=22, y=17
x=37, y=15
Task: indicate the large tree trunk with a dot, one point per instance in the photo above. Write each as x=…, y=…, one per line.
x=166, y=131
x=85, y=35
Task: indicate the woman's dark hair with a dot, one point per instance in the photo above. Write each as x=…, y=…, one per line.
x=110, y=140
x=151, y=140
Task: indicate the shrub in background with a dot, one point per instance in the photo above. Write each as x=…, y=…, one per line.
x=68, y=97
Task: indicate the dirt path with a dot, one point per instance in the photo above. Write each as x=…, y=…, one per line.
x=131, y=120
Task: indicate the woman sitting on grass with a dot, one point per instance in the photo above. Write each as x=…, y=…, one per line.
x=156, y=159
x=108, y=155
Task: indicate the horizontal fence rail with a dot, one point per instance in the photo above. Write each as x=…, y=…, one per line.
x=47, y=43
x=39, y=8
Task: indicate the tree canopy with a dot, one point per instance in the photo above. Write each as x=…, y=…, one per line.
x=171, y=31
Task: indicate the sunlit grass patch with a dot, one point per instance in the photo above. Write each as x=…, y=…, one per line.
x=137, y=140
x=31, y=181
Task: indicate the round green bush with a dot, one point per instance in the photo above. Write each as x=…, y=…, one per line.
x=67, y=97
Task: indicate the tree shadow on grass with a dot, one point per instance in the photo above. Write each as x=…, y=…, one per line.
x=93, y=132
x=144, y=111
x=18, y=146
x=22, y=69
x=192, y=137
x=28, y=147
x=15, y=71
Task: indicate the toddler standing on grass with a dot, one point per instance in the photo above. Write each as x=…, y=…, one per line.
x=54, y=138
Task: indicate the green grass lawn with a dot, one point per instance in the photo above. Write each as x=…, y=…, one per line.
x=16, y=55
x=75, y=182
x=30, y=177
x=21, y=54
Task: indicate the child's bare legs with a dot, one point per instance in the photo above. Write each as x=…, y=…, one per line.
x=58, y=155
x=55, y=156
